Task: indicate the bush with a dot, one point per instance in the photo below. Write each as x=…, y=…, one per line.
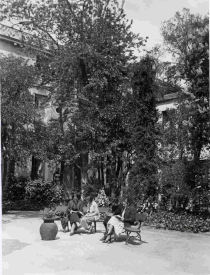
x=30, y=195
x=102, y=199
x=16, y=189
x=43, y=193
x=180, y=222
x=6, y=206
x=21, y=205
x=92, y=187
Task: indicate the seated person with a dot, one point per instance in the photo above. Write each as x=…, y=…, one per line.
x=106, y=219
x=62, y=212
x=115, y=206
x=115, y=223
x=75, y=213
x=120, y=220
x=91, y=215
x=64, y=221
x=117, y=210
x=80, y=206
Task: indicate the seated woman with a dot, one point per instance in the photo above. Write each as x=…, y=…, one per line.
x=117, y=210
x=75, y=213
x=115, y=224
x=80, y=206
x=120, y=220
x=91, y=215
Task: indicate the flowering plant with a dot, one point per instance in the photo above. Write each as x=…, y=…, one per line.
x=102, y=199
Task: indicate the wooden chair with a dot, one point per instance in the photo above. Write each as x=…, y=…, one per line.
x=136, y=229
x=101, y=219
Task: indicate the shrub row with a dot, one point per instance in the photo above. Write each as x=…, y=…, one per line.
x=20, y=205
x=30, y=195
x=180, y=222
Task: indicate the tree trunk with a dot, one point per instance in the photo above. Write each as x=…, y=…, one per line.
x=62, y=171
x=34, y=168
x=11, y=169
x=8, y=174
x=104, y=172
x=4, y=177
x=77, y=178
x=84, y=159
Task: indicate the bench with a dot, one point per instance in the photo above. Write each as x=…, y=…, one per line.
x=103, y=214
x=94, y=225
x=101, y=219
x=133, y=229
x=136, y=229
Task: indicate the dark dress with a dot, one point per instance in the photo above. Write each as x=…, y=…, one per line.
x=80, y=206
x=130, y=215
x=73, y=217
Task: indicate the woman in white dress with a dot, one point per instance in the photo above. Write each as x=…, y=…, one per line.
x=115, y=224
x=91, y=215
x=121, y=219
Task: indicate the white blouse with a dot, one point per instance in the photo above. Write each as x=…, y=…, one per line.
x=93, y=208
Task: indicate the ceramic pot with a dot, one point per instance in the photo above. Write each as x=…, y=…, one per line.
x=48, y=230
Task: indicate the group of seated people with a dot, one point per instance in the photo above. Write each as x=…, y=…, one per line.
x=79, y=213
x=82, y=214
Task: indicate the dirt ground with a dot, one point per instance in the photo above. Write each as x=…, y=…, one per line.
x=160, y=252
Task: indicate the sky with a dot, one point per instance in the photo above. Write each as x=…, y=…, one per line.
x=147, y=15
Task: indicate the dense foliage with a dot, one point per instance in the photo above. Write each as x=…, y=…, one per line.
x=186, y=129
x=187, y=37
x=86, y=50
x=25, y=194
x=181, y=222
x=20, y=120
x=143, y=174
x=106, y=129
x=43, y=193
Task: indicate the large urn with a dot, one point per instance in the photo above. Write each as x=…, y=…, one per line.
x=48, y=230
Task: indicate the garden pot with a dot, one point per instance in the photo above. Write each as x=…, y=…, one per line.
x=48, y=230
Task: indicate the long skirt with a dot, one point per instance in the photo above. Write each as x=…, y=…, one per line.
x=87, y=221
x=74, y=218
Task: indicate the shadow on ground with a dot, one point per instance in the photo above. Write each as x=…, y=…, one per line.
x=12, y=215
x=10, y=245
x=133, y=240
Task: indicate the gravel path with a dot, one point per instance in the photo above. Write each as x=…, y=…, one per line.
x=160, y=252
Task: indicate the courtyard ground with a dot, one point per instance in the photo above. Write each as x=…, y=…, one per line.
x=161, y=252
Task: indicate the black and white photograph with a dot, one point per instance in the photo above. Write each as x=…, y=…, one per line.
x=105, y=137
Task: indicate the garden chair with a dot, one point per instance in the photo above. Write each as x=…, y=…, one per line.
x=101, y=219
x=135, y=229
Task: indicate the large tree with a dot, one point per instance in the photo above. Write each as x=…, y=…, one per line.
x=143, y=180
x=187, y=38
x=187, y=129
x=87, y=47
